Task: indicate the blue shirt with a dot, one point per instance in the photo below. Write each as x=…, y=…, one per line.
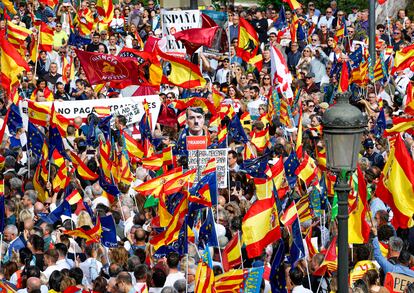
x=387, y=266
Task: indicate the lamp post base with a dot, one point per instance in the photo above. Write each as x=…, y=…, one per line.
x=342, y=188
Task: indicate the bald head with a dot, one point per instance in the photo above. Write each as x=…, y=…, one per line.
x=33, y=283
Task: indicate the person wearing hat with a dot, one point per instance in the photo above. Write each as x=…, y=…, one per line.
x=374, y=157
x=310, y=87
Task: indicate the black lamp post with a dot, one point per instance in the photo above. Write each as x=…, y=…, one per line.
x=343, y=125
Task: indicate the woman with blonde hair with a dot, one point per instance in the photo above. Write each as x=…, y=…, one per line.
x=84, y=219
x=305, y=60
x=119, y=256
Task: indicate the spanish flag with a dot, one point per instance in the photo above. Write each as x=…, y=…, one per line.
x=132, y=146
x=289, y=215
x=74, y=197
x=217, y=97
x=307, y=170
x=359, y=229
x=148, y=187
x=102, y=111
x=181, y=72
x=277, y=174
x=105, y=9
x=232, y=253
x=154, y=162
x=210, y=167
x=396, y=185
x=293, y=4
x=330, y=263
x=308, y=239
x=82, y=169
x=177, y=183
x=12, y=65
x=222, y=134
x=260, y=139
x=264, y=187
x=173, y=229
x=46, y=37
x=41, y=194
x=92, y=236
x=50, y=3
x=409, y=104
x=248, y=41
x=60, y=121
x=344, y=78
x=204, y=279
x=400, y=124
x=404, y=58
x=260, y=226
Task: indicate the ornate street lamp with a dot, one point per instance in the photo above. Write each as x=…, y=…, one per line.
x=343, y=125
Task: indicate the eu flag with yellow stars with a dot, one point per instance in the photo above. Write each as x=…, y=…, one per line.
x=55, y=142
x=277, y=276
x=14, y=120
x=181, y=146
x=291, y=164
x=207, y=234
x=34, y=140
x=236, y=130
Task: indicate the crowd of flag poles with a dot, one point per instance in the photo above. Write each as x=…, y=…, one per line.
x=184, y=205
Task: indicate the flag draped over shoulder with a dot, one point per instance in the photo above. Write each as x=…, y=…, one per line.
x=396, y=185
x=260, y=226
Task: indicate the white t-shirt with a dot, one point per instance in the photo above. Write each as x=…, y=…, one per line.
x=171, y=278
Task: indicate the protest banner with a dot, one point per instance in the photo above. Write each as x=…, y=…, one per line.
x=176, y=21
x=203, y=157
x=131, y=107
x=397, y=282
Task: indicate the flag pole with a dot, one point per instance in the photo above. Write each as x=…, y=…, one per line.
x=241, y=256
x=73, y=228
x=37, y=51
x=221, y=259
x=28, y=167
x=122, y=212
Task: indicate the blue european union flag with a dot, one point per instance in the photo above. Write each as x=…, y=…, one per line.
x=104, y=125
x=210, y=180
x=236, y=130
x=181, y=245
x=277, y=276
x=62, y=210
x=297, y=250
x=35, y=140
x=181, y=146
x=380, y=125
x=207, y=234
x=108, y=231
x=55, y=142
x=291, y=164
x=300, y=33
x=255, y=167
x=356, y=57
x=144, y=128
x=281, y=22
x=14, y=119
x=323, y=193
x=108, y=187
x=77, y=41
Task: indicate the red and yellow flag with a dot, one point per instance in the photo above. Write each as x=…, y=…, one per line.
x=154, y=185
x=182, y=73
x=409, y=103
x=232, y=253
x=46, y=37
x=404, y=58
x=307, y=170
x=92, y=236
x=12, y=65
x=204, y=279
x=105, y=9
x=248, y=41
x=396, y=185
x=17, y=34
x=260, y=226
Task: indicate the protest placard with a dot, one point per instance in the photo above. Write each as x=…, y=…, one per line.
x=203, y=157
x=131, y=107
x=176, y=21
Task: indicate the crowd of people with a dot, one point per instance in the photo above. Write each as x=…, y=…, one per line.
x=38, y=255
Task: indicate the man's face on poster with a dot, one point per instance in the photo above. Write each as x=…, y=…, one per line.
x=195, y=121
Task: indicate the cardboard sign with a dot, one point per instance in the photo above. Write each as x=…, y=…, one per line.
x=397, y=282
x=203, y=157
x=132, y=108
x=196, y=142
x=176, y=21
